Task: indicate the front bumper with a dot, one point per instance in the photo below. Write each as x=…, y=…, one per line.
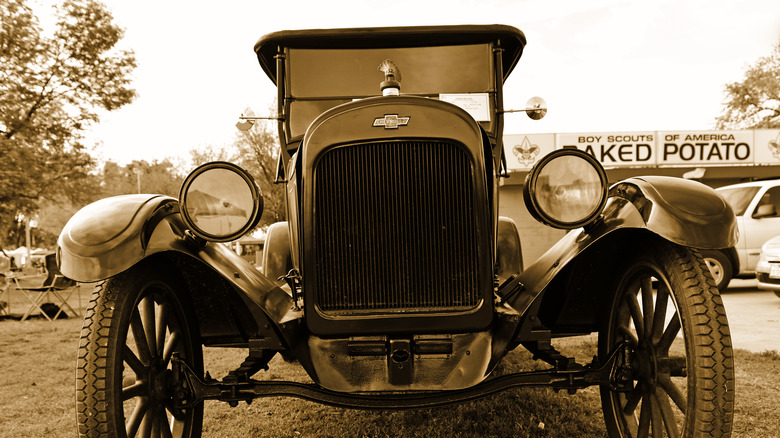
x=766, y=283
x=768, y=270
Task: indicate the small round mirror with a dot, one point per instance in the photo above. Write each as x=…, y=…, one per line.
x=566, y=189
x=220, y=201
x=536, y=108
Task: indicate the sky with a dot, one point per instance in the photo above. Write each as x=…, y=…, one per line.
x=601, y=65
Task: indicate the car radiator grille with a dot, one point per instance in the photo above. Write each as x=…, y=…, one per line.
x=395, y=229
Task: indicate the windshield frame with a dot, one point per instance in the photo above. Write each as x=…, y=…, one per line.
x=320, y=79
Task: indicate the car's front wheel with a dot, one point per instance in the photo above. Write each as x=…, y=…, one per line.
x=678, y=372
x=134, y=324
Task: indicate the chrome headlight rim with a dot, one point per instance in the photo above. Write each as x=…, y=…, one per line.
x=254, y=196
x=531, y=192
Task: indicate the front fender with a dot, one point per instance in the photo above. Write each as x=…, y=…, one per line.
x=684, y=212
x=113, y=234
x=108, y=236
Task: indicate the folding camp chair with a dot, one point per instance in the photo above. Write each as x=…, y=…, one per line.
x=55, y=284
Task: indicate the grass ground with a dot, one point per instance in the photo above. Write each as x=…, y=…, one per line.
x=37, y=375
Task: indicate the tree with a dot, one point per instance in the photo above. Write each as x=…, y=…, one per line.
x=51, y=89
x=754, y=102
x=157, y=177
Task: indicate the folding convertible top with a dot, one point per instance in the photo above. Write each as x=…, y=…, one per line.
x=511, y=39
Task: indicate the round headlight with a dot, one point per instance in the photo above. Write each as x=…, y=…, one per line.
x=220, y=201
x=566, y=189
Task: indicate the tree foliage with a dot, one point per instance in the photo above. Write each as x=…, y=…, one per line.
x=139, y=176
x=52, y=87
x=754, y=102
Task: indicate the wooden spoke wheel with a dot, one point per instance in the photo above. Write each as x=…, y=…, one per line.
x=679, y=368
x=134, y=324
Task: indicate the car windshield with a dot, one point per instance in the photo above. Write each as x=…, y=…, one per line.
x=345, y=73
x=738, y=197
x=323, y=78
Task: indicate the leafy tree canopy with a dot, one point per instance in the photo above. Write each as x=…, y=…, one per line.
x=52, y=86
x=158, y=177
x=754, y=102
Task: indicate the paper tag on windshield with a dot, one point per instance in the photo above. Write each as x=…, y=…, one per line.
x=476, y=104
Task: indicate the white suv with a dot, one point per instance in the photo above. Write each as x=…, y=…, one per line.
x=757, y=207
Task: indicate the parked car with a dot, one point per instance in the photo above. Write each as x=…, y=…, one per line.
x=394, y=283
x=768, y=266
x=756, y=205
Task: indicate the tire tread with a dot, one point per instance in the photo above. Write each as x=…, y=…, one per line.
x=91, y=406
x=715, y=389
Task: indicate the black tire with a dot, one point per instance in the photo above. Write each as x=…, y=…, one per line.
x=113, y=399
x=720, y=267
x=682, y=384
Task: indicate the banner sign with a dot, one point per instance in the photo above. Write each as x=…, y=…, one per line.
x=652, y=148
x=623, y=149
x=700, y=148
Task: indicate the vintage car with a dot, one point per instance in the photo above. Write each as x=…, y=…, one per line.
x=394, y=283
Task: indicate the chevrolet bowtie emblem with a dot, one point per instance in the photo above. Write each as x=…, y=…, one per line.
x=391, y=121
